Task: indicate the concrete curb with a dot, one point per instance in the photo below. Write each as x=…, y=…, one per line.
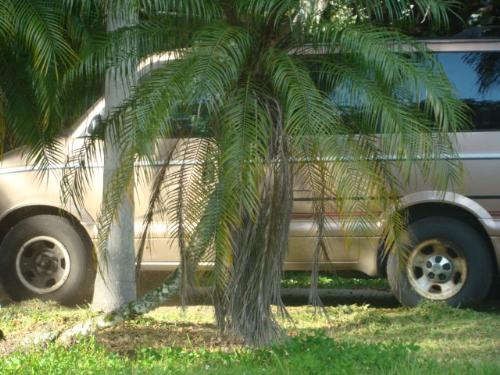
x=331, y=297
x=298, y=296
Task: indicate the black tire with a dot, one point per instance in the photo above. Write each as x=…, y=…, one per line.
x=28, y=243
x=459, y=238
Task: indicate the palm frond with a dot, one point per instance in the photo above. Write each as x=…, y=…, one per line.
x=205, y=10
x=271, y=116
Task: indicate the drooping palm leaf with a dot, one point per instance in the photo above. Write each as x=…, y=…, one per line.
x=346, y=107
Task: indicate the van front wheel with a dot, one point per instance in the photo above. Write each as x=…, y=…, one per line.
x=44, y=257
x=446, y=260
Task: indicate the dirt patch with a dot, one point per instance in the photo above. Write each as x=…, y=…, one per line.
x=127, y=338
x=175, y=329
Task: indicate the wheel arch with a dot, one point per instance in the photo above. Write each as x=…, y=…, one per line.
x=17, y=214
x=462, y=210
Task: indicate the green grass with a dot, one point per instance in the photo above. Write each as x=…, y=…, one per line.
x=296, y=279
x=302, y=279
x=38, y=315
x=316, y=354
x=346, y=340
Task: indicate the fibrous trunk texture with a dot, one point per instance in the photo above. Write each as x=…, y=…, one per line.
x=259, y=248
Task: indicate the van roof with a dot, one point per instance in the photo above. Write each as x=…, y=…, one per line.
x=462, y=45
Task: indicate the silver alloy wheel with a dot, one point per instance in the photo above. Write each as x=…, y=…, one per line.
x=436, y=269
x=43, y=264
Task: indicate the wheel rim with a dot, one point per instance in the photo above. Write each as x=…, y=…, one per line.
x=43, y=264
x=437, y=269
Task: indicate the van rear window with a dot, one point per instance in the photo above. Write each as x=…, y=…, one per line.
x=474, y=75
x=476, y=78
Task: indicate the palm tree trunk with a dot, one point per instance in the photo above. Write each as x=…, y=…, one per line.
x=259, y=249
x=115, y=283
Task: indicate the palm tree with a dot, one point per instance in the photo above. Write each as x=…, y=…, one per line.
x=280, y=92
x=116, y=56
x=42, y=44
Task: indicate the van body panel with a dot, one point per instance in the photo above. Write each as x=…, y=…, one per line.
x=479, y=151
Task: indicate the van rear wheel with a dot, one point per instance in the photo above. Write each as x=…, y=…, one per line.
x=446, y=260
x=44, y=257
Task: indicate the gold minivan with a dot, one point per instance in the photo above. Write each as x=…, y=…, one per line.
x=46, y=250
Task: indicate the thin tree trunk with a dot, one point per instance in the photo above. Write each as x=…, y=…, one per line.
x=115, y=283
x=150, y=301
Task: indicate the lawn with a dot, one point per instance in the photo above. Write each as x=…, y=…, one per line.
x=298, y=279
x=351, y=339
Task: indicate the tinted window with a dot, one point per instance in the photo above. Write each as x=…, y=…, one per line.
x=191, y=122
x=186, y=126
x=476, y=78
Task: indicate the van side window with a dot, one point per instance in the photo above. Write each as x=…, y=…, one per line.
x=186, y=126
x=190, y=123
x=476, y=78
